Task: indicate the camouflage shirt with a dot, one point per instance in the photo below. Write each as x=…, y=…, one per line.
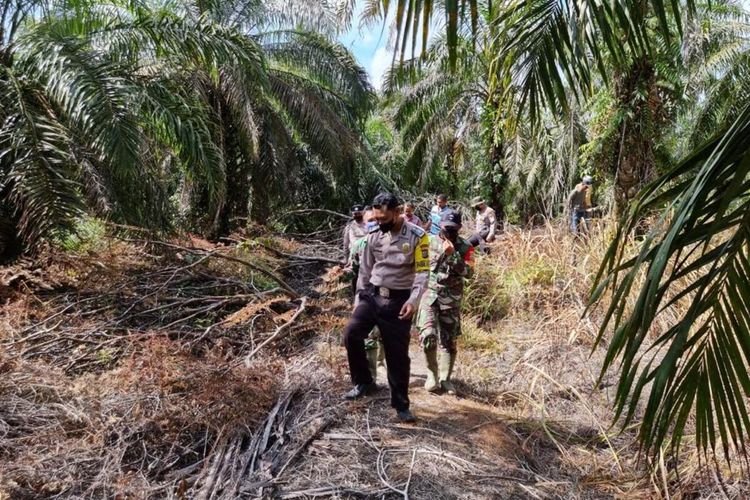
x=355, y=255
x=447, y=273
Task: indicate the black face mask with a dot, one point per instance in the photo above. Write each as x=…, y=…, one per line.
x=358, y=218
x=387, y=226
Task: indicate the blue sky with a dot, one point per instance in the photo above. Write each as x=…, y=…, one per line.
x=369, y=47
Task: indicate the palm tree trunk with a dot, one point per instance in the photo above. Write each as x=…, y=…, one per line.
x=497, y=180
x=634, y=164
x=452, y=168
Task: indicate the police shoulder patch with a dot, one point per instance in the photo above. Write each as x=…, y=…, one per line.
x=417, y=230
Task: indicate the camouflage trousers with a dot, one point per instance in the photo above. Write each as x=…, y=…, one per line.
x=438, y=327
x=373, y=340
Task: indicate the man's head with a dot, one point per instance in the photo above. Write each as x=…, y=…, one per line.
x=357, y=212
x=441, y=201
x=478, y=203
x=409, y=209
x=385, y=207
x=587, y=181
x=450, y=225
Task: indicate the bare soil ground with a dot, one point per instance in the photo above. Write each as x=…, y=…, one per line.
x=139, y=371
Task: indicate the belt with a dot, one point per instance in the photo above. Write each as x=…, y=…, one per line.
x=389, y=293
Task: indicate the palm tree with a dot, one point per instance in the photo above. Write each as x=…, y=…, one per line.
x=693, y=259
x=306, y=114
x=696, y=255
x=444, y=108
x=109, y=107
x=414, y=18
x=437, y=111
x=441, y=114
x=91, y=113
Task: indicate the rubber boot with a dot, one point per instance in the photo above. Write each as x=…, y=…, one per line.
x=381, y=354
x=432, y=384
x=446, y=369
x=372, y=362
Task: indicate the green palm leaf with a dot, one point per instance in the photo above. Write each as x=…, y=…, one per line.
x=697, y=258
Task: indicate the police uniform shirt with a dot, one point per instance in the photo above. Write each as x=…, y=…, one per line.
x=397, y=261
x=353, y=231
x=486, y=220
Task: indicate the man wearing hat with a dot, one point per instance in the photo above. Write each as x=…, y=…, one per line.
x=579, y=202
x=486, y=223
x=439, y=319
x=393, y=274
x=354, y=230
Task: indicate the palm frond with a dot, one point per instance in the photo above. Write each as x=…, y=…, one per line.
x=697, y=256
x=36, y=162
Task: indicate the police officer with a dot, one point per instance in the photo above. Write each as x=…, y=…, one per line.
x=355, y=229
x=486, y=224
x=439, y=319
x=393, y=274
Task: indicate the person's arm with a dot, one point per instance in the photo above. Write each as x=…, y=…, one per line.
x=469, y=263
x=571, y=197
x=347, y=243
x=493, y=225
x=365, y=265
x=421, y=270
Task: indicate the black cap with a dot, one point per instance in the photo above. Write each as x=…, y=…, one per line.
x=385, y=200
x=451, y=218
x=358, y=208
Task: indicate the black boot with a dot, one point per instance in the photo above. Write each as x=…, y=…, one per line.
x=360, y=390
x=406, y=416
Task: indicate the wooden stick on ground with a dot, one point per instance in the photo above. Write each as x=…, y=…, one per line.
x=279, y=333
x=291, y=292
x=311, y=258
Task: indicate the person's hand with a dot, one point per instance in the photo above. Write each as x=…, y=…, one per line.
x=427, y=341
x=448, y=247
x=407, y=311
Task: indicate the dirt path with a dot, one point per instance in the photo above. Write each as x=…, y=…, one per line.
x=458, y=448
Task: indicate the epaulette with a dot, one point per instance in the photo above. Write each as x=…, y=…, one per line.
x=417, y=230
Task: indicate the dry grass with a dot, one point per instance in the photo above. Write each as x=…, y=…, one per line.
x=172, y=413
x=528, y=352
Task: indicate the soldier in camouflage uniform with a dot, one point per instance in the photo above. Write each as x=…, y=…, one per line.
x=439, y=319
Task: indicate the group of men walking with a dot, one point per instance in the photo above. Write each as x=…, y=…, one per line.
x=403, y=270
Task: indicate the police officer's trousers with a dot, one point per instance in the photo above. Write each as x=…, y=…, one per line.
x=374, y=310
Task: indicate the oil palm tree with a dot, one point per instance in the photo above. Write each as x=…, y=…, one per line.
x=694, y=259
x=304, y=119
x=91, y=112
x=107, y=106
x=696, y=372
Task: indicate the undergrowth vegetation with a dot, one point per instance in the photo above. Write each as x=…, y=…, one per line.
x=529, y=348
